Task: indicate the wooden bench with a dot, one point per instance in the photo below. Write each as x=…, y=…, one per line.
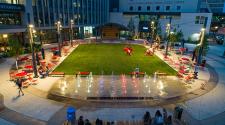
x=83, y=73
x=137, y=73
x=57, y=74
x=161, y=74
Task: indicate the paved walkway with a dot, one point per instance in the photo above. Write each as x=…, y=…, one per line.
x=210, y=108
x=41, y=110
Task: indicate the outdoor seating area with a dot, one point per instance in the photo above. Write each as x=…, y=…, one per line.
x=182, y=63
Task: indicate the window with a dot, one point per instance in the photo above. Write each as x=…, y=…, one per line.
x=148, y=8
x=167, y=8
x=139, y=8
x=131, y=8
x=178, y=7
x=157, y=7
x=199, y=19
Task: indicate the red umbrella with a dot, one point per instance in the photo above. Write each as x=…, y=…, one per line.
x=21, y=74
x=182, y=49
x=184, y=58
x=24, y=58
x=28, y=67
x=54, y=49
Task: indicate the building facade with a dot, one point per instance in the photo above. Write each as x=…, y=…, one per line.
x=186, y=16
x=16, y=15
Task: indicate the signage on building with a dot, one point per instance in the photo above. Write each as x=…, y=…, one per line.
x=11, y=7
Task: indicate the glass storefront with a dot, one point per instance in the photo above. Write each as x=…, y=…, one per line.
x=10, y=18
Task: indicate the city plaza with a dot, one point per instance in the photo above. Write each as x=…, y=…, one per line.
x=99, y=72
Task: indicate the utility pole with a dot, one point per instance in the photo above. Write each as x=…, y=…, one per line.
x=200, y=50
x=30, y=34
x=168, y=28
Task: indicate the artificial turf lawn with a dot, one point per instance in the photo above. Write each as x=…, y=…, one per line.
x=108, y=58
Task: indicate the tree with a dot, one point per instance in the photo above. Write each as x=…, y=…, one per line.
x=131, y=27
x=15, y=49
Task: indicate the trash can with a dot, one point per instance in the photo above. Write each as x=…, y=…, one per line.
x=71, y=115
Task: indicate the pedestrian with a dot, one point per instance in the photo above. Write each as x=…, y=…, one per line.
x=158, y=118
x=147, y=119
x=80, y=120
x=97, y=122
x=164, y=115
x=19, y=83
x=169, y=120
x=87, y=122
x=43, y=53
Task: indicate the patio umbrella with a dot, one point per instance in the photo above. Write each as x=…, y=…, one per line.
x=28, y=67
x=21, y=74
x=185, y=58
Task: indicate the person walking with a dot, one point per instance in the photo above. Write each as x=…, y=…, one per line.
x=19, y=83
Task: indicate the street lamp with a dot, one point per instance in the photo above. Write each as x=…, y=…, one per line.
x=200, y=50
x=5, y=36
x=168, y=28
x=30, y=35
x=71, y=31
x=59, y=28
x=153, y=30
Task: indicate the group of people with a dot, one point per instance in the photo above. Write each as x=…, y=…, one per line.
x=159, y=119
x=43, y=71
x=81, y=121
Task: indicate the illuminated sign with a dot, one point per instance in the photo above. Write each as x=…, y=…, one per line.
x=11, y=7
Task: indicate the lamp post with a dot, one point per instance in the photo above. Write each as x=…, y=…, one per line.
x=71, y=32
x=30, y=35
x=59, y=27
x=153, y=30
x=200, y=50
x=168, y=28
x=5, y=36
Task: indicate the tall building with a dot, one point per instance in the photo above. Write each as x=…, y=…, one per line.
x=15, y=15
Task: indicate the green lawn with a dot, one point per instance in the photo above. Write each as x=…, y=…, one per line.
x=108, y=58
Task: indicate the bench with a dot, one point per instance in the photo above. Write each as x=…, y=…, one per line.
x=83, y=73
x=161, y=74
x=137, y=73
x=57, y=74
